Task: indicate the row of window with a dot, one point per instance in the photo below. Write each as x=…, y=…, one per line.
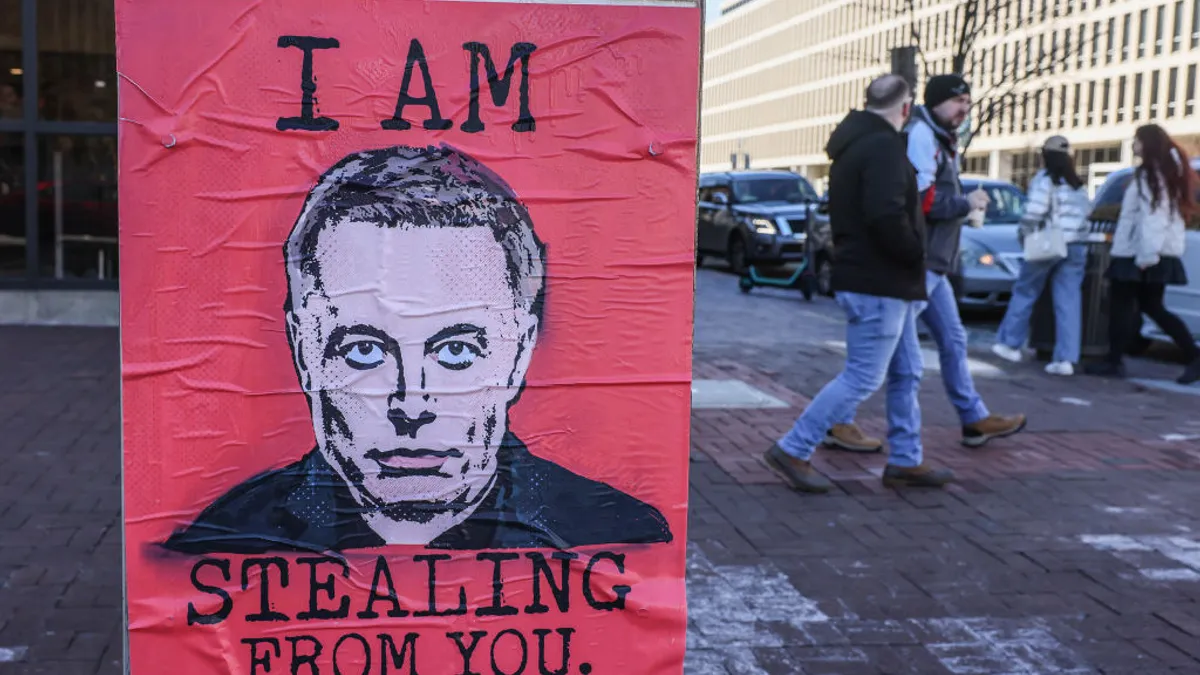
x=1135, y=98
x=1169, y=27
x=1099, y=43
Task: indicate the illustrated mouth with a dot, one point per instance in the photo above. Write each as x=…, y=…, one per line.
x=411, y=461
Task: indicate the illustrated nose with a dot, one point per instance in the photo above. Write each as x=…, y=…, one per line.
x=407, y=426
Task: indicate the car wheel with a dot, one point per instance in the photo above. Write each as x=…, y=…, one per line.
x=737, y=254
x=825, y=276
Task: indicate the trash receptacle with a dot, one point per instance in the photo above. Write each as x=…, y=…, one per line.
x=1094, y=331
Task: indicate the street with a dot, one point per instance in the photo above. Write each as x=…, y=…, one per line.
x=1072, y=548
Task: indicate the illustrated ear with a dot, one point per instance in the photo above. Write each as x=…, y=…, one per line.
x=294, y=339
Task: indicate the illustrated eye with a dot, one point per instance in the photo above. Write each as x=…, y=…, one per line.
x=456, y=355
x=363, y=355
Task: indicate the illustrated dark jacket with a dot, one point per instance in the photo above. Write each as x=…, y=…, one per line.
x=533, y=503
x=874, y=211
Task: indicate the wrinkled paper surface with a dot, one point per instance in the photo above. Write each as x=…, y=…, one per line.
x=406, y=400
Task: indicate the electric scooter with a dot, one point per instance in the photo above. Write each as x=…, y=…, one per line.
x=803, y=278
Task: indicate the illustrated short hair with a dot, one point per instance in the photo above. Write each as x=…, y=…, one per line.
x=886, y=92
x=403, y=186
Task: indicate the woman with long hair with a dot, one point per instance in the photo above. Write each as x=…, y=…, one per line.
x=1056, y=199
x=1147, y=248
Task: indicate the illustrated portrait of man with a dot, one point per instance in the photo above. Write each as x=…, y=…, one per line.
x=415, y=292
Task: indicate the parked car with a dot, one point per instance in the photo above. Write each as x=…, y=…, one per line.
x=990, y=257
x=761, y=218
x=1183, y=300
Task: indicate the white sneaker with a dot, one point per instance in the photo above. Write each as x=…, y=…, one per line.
x=1007, y=353
x=1063, y=368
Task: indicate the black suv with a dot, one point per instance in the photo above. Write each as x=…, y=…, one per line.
x=761, y=218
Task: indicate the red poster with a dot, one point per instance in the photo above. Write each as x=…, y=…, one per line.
x=406, y=329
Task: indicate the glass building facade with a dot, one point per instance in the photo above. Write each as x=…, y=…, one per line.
x=58, y=145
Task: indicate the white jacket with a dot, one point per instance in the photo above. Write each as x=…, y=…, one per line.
x=1148, y=234
x=1059, y=206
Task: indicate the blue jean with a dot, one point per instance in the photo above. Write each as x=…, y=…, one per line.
x=946, y=327
x=881, y=344
x=1066, y=279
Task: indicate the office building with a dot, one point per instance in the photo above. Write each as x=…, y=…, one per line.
x=780, y=74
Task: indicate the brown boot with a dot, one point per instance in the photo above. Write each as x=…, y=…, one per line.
x=797, y=472
x=918, y=476
x=850, y=438
x=995, y=426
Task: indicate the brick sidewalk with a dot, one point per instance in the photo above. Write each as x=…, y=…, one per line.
x=1061, y=552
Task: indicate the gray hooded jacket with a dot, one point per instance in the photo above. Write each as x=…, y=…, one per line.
x=933, y=151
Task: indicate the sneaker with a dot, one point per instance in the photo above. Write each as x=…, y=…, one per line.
x=850, y=438
x=1063, y=368
x=1191, y=374
x=995, y=426
x=798, y=473
x=919, y=476
x=1007, y=353
x=1105, y=369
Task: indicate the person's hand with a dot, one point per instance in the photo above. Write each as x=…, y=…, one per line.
x=978, y=200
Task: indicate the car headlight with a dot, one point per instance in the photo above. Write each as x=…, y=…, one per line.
x=976, y=256
x=763, y=226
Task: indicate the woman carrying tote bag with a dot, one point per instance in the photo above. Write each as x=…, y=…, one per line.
x=1053, y=233
x=1147, y=248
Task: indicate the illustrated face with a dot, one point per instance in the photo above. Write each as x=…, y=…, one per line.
x=411, y=352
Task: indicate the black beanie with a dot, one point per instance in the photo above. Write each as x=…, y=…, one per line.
x=942, y=88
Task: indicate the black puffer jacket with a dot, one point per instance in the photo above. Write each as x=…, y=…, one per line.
x=875, y=214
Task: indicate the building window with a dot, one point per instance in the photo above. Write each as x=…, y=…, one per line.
x=1067, y=48
x=1081, y=40
x=1137, y=97
x=978, y=165
x=12, y=190
x=1062, y=106
x=1172, y=92
x=1154, y=95
x=1037, y=110
x=1105, y=98
x=1143, y=31
x=1025, y=111
x=1177, y=34
x=1096, y=44
x=1159, y=28
x=1189, y=105
x=1079, y=99
x=1111, y=39
x=58, y=191
x=1195, y=24
x=1121, y=84
x=1091, y=109
x=1054, y=52
x=1125, y=34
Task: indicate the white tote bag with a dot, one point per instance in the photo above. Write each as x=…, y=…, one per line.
x=1046, y=243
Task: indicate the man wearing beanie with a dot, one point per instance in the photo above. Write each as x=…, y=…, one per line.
x=933, y=151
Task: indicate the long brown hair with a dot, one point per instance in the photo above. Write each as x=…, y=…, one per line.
x=1165, y=165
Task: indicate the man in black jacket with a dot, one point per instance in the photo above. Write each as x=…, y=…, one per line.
x=879, y=278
